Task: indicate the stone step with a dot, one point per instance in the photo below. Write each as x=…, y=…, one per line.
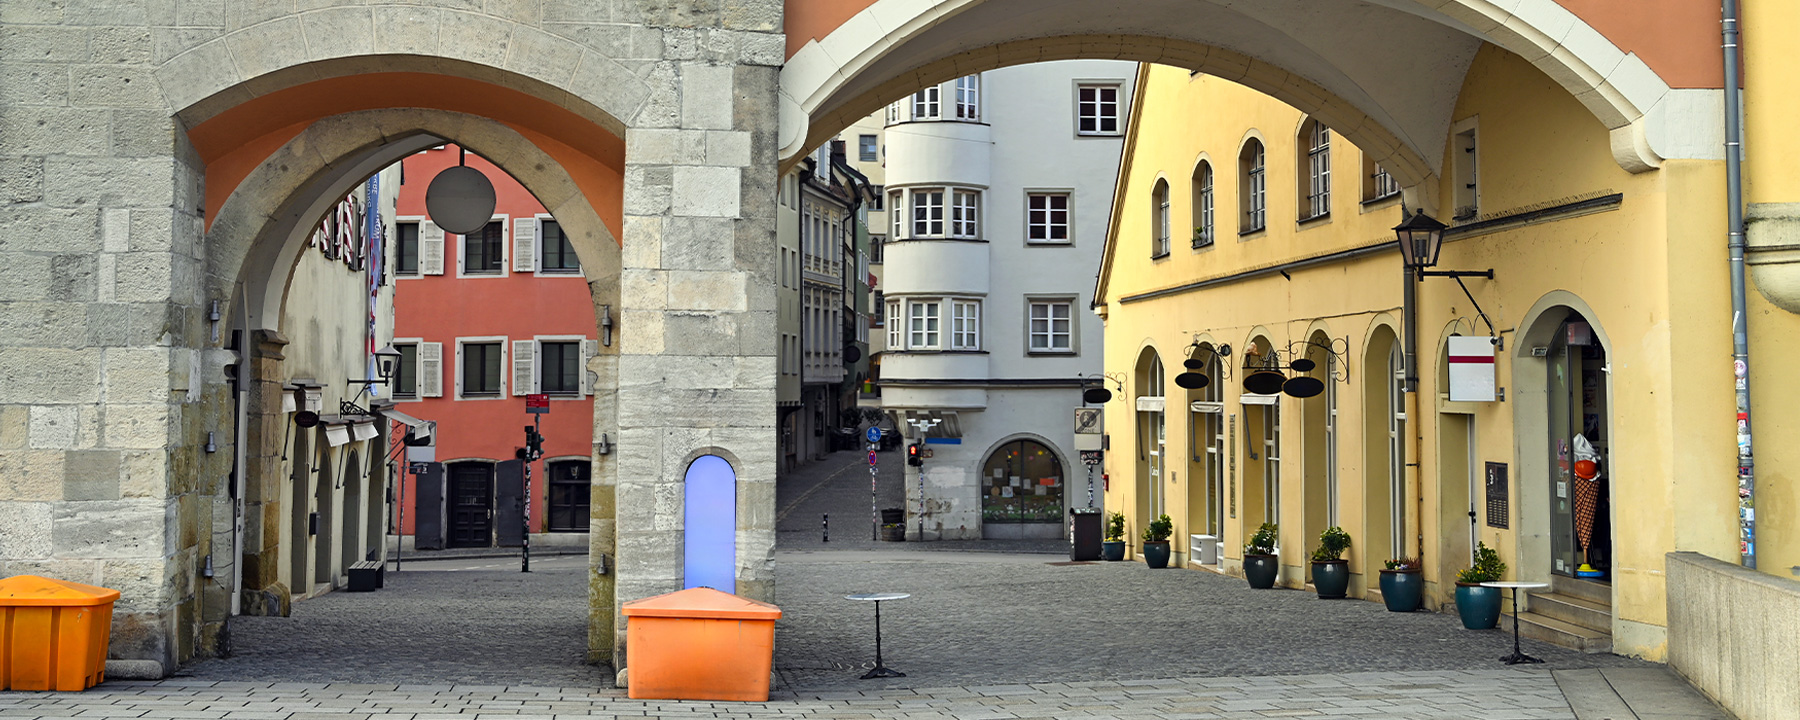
x=1590, y=590
x=1573, y=610
x=1561, y=634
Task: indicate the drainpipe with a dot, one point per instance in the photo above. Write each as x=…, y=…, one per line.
x=1740, y=326
x=1412, y=479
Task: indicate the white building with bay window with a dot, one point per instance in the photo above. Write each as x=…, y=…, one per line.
x=997, y=189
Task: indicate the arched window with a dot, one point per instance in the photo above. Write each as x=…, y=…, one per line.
x=709, y=525
x=1206, y=430
x=1252, y=188
x=1022, y=482
x=1151, y=438
x=1203, y=204
x=1159, y=219
x=1314, y=170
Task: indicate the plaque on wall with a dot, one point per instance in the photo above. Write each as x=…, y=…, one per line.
x=1496, y=495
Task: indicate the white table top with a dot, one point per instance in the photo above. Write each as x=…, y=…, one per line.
x=1521, y=585
x=878, y=597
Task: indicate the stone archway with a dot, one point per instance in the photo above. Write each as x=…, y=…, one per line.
x=1338, y=62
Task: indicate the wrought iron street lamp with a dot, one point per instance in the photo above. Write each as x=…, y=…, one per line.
x=1421, y=237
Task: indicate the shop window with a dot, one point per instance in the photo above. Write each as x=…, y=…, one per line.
x=570, y=490
x=1022, y=482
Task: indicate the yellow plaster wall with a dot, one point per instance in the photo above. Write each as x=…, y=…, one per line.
x=1650, y=275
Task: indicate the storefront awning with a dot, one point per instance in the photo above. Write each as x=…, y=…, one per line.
x=400, y=417
x=362, y=430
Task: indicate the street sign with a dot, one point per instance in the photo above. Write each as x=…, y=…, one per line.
x=418, y=467
x=538, y=404
x=871, y=457
x=873, y=434
x=1091, y=458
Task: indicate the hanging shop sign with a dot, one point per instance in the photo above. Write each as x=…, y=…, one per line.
x=1471, y=369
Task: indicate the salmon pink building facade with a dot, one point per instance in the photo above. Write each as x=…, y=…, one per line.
x=482, y=321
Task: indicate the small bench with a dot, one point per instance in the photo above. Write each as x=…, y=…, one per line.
x=367, y=576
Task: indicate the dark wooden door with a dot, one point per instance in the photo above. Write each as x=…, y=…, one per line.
x=472, y=505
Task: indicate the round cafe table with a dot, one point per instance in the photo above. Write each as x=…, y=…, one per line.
x=1517, y=657
x=880, y=670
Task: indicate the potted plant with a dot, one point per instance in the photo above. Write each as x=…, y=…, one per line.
x=1261, y=566
x=1156, y=542
x=1402, y=587
x=1330, y=571
x=1480, y=606
x=1114, y=547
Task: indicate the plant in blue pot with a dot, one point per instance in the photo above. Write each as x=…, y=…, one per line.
x=1261, y=564
x=1113, y=549
x=1156, y=542
x=1330, y=571
x=1480, y=606
x=1402, y=586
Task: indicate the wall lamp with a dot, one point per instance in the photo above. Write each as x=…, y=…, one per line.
x=1421, y=237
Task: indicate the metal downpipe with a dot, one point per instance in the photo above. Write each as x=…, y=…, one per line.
x=1740, y=324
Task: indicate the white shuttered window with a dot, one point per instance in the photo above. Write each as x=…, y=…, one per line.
x=431, y=248
x=431, y=366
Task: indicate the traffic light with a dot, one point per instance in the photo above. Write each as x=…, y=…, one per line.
x=534, y=443
x=913, y=456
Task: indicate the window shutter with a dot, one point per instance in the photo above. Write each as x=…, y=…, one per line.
x=431, y=369
x=431, y=250
x=524, y=374
x=525, y=244
x=589, y=348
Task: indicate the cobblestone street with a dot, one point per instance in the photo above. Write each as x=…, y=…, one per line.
x=989, y=634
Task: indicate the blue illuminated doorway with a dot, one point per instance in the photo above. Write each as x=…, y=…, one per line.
x=710, y=527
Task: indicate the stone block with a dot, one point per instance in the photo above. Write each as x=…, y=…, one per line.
x=48, y=130
x=109, y=182
x=34, y=84
x=661, y=105
x=145, y=474
x=43, y=324
x=763, y=16
x=475, y=38
x=144, y=585
x=54, y=426
x=145, y=277
x=31, y=475
x=697, y=333
x=112, y=528
x=706, y=290
x=137, y=375
x=21, y=178
x=32, y=12
x=544, y=56
x=665, y=146
x=264, y=47
x=15, y=426
x=48, y=376
x=91, y=475
x=26, y=534
x=141, y=132
x=197, y=73
x=728, y=148
x=115, y=85
x=138, y=426
x=406, y=30
x=79, y=570
x=120, y=13
x=698, y=244
x=209, y=13
x=49, y=230
x=642, y=242
x=706, y=100
x=644, y=289
x=43, y=44
x=706, y=191
x=648, y=189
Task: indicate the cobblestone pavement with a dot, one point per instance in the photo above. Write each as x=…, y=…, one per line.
x=1488, y=694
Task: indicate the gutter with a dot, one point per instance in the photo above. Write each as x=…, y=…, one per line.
x=1740, y=323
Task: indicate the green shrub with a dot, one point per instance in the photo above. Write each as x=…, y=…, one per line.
x=1403, y=564
x=1332, y=544
x=1487, y=567
x=1159, y=531
x=1115, y=527
x=1263, y=542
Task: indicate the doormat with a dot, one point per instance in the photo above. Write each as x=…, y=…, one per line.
x=1067, y=563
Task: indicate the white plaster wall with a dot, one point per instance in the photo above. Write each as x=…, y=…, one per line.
x=1031, y=144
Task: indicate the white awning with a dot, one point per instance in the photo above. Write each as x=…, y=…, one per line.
x=363, y=430
x=1150, y=403
x=336, y=435
x=1255, y=399
x=400, y=417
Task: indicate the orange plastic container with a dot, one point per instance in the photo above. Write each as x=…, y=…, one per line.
x=699, y=644
x=53, y=633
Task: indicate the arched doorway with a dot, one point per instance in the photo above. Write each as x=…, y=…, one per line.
x=1207, y=450
x=1262, y=449
x=1384, y=450
x=1577, y=422
x=1152, y=439
x=1023, y=483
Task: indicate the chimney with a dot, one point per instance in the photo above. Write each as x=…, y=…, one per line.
x=837, y=152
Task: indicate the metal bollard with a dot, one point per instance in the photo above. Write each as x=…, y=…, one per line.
x=825, y=527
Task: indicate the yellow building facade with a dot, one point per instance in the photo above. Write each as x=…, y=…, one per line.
x=1608, y=311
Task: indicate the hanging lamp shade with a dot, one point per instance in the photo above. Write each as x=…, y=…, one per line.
x=1264, y=382
x=1303, y=386
x=460, y=200
x=1192, y=380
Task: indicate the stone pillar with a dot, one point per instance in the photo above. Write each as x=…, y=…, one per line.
x=696, y=370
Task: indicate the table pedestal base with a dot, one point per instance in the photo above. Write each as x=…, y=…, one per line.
x=882, y=671
x=1518, y=658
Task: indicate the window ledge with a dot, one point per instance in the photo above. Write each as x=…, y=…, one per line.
x=1098, y=134
x=937, y=239
x=1381, y=199
x=1051, y=352
x=1316, y=219
x=1049, y=243
x=923, y=351
x=1159, y=256
x=1202, y=244
x=1252, y=231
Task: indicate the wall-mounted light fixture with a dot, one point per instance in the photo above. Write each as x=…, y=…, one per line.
x=606, y=325
x=1421, y=237
x=604, y=446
